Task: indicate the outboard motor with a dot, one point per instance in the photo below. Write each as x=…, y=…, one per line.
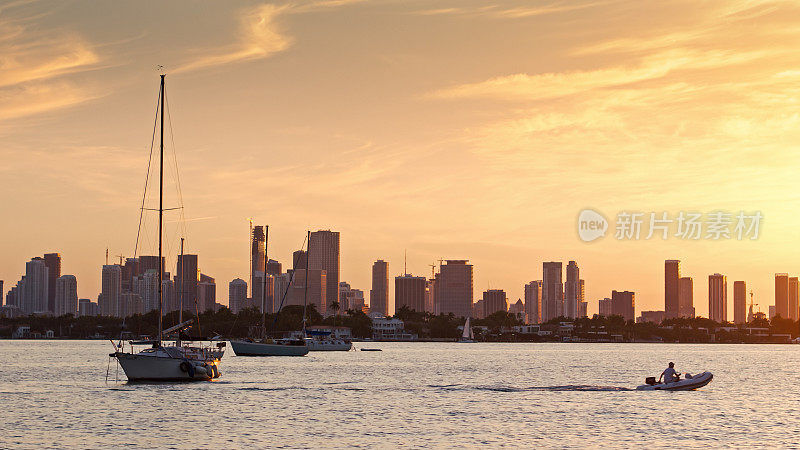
x=650, y=380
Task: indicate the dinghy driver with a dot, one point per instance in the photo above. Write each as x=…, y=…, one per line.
x=669, y=375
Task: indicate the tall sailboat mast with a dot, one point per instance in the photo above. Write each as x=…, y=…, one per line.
x=160, y=219
x=264, y=290
x=308, y=279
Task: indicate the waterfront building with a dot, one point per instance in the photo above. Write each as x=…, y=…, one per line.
x=454, y=288
x=552, y=291
x=409, y=291
x=739, y=302
x=66, y=299
x=718, y=298
x=793, y=298
x=53, y=263
x=389, y=329
x=672, y=273
x=651, y=316
x=604, y=307
x=237, y=295
x=685, y=297
x=571, y=290
x=324, y=250
x=109, y=300
x=494, y=300
x=35, y=298
x=379, y=294
x=583, y=309
x=782, y=294
x=623, y=303
x=478, y=309
x=533, y=302
x=87, y=308
x=517, y=308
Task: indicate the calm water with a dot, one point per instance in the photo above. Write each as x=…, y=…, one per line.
x=53, y=394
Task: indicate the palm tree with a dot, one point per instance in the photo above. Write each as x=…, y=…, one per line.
x=335, y=308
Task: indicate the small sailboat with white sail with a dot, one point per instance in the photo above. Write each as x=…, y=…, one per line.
x=160, y=360
x=467, y=335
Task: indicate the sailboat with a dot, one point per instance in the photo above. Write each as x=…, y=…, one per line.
x=467, y=335
x=161, y=361
x=267, y=346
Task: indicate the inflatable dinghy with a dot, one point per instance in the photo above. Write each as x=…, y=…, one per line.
x=688, y=383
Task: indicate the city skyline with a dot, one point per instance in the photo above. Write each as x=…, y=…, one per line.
x=250, y=121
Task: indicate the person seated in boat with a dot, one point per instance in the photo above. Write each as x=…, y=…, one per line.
x=669, y=374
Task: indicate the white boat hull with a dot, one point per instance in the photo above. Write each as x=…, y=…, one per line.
x=244, y=348
x=139, y=367
x=322, y=345
x=686, y=384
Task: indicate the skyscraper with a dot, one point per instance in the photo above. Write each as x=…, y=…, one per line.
x=672, y=273
x=739, y=302
x=379, y=294
x=571, y=290
x=685, y=297
x=36, y=287
x=111, y=290
x=316, y=294
x=793, y=298
x=324, y=255
x=718, y=297
x=151, y=263
x=66, y=299
x=494, y=300
x=187, y=277
x=454, y=288
x=259, y=299
x=583, y=309
x=782, y=294
x=430, y=296
x=533, y=302
x=299, y=260
x=258, y=248
x=237, y=295
x=274, y=267
x=552, y=291
x=604, y=307
x=2, y=292
x=409, y=291
x=53, y=263
x=207, y=293
x=623, y=303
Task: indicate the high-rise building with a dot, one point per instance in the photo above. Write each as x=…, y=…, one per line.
x=349, y=298
x=782, y=294
x=454, y=288
x=87, y=308
x=36, y=287
x=317, y=290
x=299, y=260
x=146, y=287
x=2, y=292
x=53, y=263
x=207, y=293
x=274, y=267
x=583, y=309
x=604, y=307
x=379, y=294
x=169, y=296
x=718, y=298
x=409, y=291
x=259, y=299
x=672, y=273
x=552, y=291
x=430, y=296
x=571, y=290
x=187, y=277
x=147, y=263
x=237, y=295
x=324, y=255
x=685, y=297
x=131, y=270
x=739, y=302
x=623, y=303
x=109, y=301
x=793, y=298
x=533, y=302
x=258, y=249
x=517, y=308
x=130, y=303
x=494, y=300
x=478, y=310
x=66, y=300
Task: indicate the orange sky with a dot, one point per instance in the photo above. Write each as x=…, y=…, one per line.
x=453, y=129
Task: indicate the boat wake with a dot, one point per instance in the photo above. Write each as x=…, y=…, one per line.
x=564, y=388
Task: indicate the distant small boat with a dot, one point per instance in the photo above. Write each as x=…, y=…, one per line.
x=270, y=347
x=689, y=383
x=467, y=335
x=371, y=350
x=323, y=341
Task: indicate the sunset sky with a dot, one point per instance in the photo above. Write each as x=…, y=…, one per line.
x=454, y=129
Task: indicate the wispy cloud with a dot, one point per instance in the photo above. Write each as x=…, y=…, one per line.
x=260, y=37
x=503, y=11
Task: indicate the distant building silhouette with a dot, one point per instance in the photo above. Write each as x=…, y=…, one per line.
x=782, y=295
x=259, y=299
x=109, y=300
x=299, y=260
x=478, y=310
x=207, y=293
x=552, y=291
x=349, y=298
x=36, y=284
x=672, y=273
x=739, y=302
x=517, y=308
x=583, y=309
x=324, y=250
x=718, y=297
x=188, y=275
x=317, y=290
x=87, y=308
x=66, y=299
x=494, y=300
x=623, y=303
x=151, y=263
x=651, y=316
x=533, y=302
x=258, y=249
x=379, y=294
x=454, y=288
x=604, y=307
x=430, y=295
x=685, y=297
x=793, y=298
x=409, y=291
x=53, y=263
x=274, y=268
x=237, y=295
x=572, y=290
